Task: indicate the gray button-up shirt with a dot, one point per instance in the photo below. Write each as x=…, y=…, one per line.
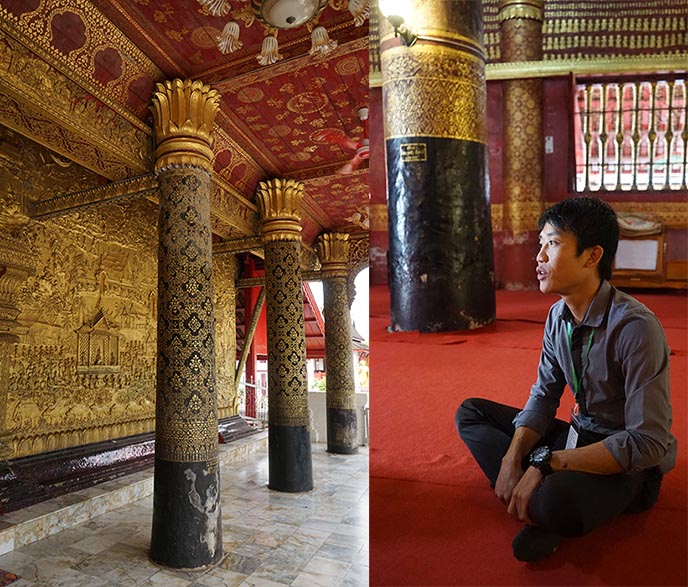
x=625, y=379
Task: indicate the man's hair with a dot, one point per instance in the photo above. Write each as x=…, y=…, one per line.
x=592, y=222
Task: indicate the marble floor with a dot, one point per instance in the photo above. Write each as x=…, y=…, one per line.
x=271, y=539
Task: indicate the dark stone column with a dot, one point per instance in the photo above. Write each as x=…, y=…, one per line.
x=522, y=155
x=289, y=443
x=342, y=430
x=187, y=530
x=440, y=261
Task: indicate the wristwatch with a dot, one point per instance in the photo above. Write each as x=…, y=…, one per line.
x=540, y=459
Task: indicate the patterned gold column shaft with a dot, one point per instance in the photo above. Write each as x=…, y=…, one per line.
x=342, y=435
x=186, y=529
x=289, y=447
x=521, y=40
x=440, y=259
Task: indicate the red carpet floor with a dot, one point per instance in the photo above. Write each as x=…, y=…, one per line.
x=434, y=519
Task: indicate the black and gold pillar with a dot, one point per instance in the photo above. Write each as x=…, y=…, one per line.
x=186, y=529
x=440, y=259
x=520, y=24
x=289, y=444
x=342, y=431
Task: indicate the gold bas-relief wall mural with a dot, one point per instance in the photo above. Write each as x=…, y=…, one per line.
x=78, y=312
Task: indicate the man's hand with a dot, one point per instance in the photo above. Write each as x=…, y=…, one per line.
x=522, y=493
x=510, y=474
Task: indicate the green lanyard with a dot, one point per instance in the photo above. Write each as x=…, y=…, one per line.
x=576, y=380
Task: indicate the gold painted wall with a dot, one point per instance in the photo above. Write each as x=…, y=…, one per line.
x=77, y=365
x=225, y=271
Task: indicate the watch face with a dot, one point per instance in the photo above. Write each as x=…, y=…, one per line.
x=541, y=456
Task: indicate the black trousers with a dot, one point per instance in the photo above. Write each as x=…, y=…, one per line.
x=569, y=503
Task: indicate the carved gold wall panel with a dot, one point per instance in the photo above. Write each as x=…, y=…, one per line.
x=82, y=367
x=225, y=270
x=83, y=370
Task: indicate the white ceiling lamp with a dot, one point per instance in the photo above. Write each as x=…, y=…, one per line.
x=276, y=15
x=287, y=14
x=269, y=53
x=228, y=42
x=360, y=10
x=321, y=42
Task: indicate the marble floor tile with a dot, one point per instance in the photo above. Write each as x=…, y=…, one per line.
x=270, y=539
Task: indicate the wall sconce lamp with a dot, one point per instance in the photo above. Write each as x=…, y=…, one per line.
x=395, y=12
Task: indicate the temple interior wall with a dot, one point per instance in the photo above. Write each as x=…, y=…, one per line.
x=78, y=363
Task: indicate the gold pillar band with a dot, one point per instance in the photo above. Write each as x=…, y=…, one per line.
x=184, y=112
x=434, y=91
x=278, y=201
x=287, y=391
x=333, y=252
x=186, y=401
x=341, y=388
x=531, y=9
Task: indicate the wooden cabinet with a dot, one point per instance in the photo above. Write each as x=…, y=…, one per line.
x=641, y=262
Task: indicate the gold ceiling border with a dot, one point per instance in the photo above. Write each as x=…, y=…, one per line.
x=134, y=63
x=43, y=93
x=608, y=66
x=33, y=124
x=231, y=207
x=227, y=206
x=37, y=85
x=239, y=245
x=224, y=142
x=135, y=187
x=311, y=209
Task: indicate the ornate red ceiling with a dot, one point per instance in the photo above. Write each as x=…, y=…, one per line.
x=116, y=50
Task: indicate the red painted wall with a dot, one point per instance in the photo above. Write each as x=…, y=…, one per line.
x=514, y=261
x=377, y=179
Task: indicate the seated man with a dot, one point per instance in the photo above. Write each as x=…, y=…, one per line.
x=564, y=479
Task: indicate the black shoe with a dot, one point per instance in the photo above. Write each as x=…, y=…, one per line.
x=532, y=544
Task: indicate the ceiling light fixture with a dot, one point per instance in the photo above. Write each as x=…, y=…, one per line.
x=287, y=14
x=276, y=15
x=398, y=12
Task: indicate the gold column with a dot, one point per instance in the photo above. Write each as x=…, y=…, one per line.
x=289, y=445
x=342, y=435
x=521, y=40
x=440, y=258
x=187, y=526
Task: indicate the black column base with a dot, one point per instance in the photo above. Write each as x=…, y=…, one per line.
x=290, y=461
x=342, y=431
x=441, y=270
x=187, y=522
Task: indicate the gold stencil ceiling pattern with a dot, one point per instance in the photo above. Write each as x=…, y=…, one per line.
x=76, y=72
